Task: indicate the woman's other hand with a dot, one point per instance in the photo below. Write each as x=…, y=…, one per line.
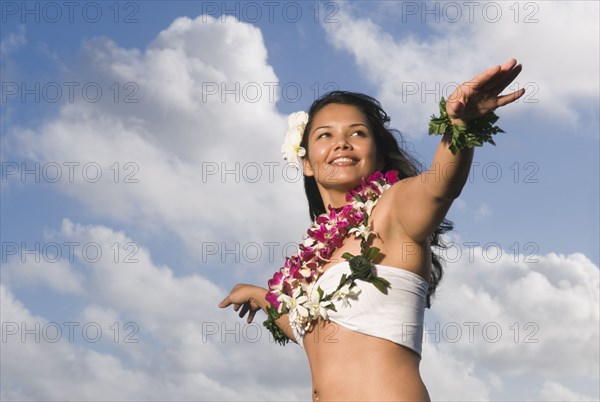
x=250, y=298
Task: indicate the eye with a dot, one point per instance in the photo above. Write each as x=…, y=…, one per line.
x=359, y=133
x=324, y=135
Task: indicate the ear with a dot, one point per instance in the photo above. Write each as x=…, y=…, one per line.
x=307, y=168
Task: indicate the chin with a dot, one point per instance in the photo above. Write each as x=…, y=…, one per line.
x=346, y=178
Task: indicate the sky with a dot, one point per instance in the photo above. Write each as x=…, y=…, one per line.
x=141, y=179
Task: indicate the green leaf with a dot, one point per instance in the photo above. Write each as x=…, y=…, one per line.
x=381, y=284
x=373, y=251
x=342, y=281
x=278, y=335
x=320, y=291
x=347, y=256
x=474, y=134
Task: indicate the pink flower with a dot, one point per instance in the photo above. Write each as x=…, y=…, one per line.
x=277, y=281
x=272, y=298
x=375, y=176
x=392, y=177
x=295, y=271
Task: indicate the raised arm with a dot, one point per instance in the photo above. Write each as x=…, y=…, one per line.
x=251, y=299
x=426, y=198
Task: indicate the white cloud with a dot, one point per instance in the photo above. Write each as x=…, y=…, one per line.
x=411, y=73
x=44, y=369
x=183, y=157
x=552, y=391
x=42, y=269
x=171, y=137
x=514, y=315
x=161, y=337
x=442, y=371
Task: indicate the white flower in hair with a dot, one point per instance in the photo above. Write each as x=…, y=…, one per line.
x=291, y=148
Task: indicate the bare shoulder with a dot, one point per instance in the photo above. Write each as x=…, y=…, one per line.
x=398, y=247
x=396, y=197
x=411, y=207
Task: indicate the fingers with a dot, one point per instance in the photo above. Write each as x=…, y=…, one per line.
x=241, y=301
x=484, y=78
x=251, y=316
x=225, y=302
x=494, y=76
x=510, y=63
x=505, y=80
x=245, y=308
x=506, y=99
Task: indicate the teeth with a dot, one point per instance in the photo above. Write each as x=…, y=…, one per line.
x=343, y=160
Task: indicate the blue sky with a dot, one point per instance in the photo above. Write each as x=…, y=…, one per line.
x=147, y=201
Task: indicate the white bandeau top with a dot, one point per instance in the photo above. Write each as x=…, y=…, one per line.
x=396, y=316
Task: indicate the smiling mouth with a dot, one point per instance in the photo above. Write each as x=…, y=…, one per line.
x=343, y=161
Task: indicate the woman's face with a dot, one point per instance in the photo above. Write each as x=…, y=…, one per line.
x=341, y=147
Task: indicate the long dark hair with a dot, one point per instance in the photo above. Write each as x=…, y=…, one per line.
x=392, y=156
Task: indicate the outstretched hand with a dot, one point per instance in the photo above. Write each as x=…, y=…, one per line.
x=248, y=297
x=475, y=98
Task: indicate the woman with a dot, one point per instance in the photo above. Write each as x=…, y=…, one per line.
x=363, y=336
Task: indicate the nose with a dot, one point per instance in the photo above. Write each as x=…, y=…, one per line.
x=341, y=142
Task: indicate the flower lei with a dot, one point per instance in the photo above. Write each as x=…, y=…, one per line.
x=291, y=288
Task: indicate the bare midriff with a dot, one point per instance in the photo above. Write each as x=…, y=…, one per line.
x=347, y=365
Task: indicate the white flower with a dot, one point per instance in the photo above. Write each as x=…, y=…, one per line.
x=296, y=301
x=345, y=292
x=291, y=148
x=308, y=242
x=298, y=119
x=305, y=271
x=362, y=231
x=317, y=307
x=369, y=205
x=358, y=204
x=296, y=322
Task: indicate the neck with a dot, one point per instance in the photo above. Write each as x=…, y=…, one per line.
x=334, y=197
